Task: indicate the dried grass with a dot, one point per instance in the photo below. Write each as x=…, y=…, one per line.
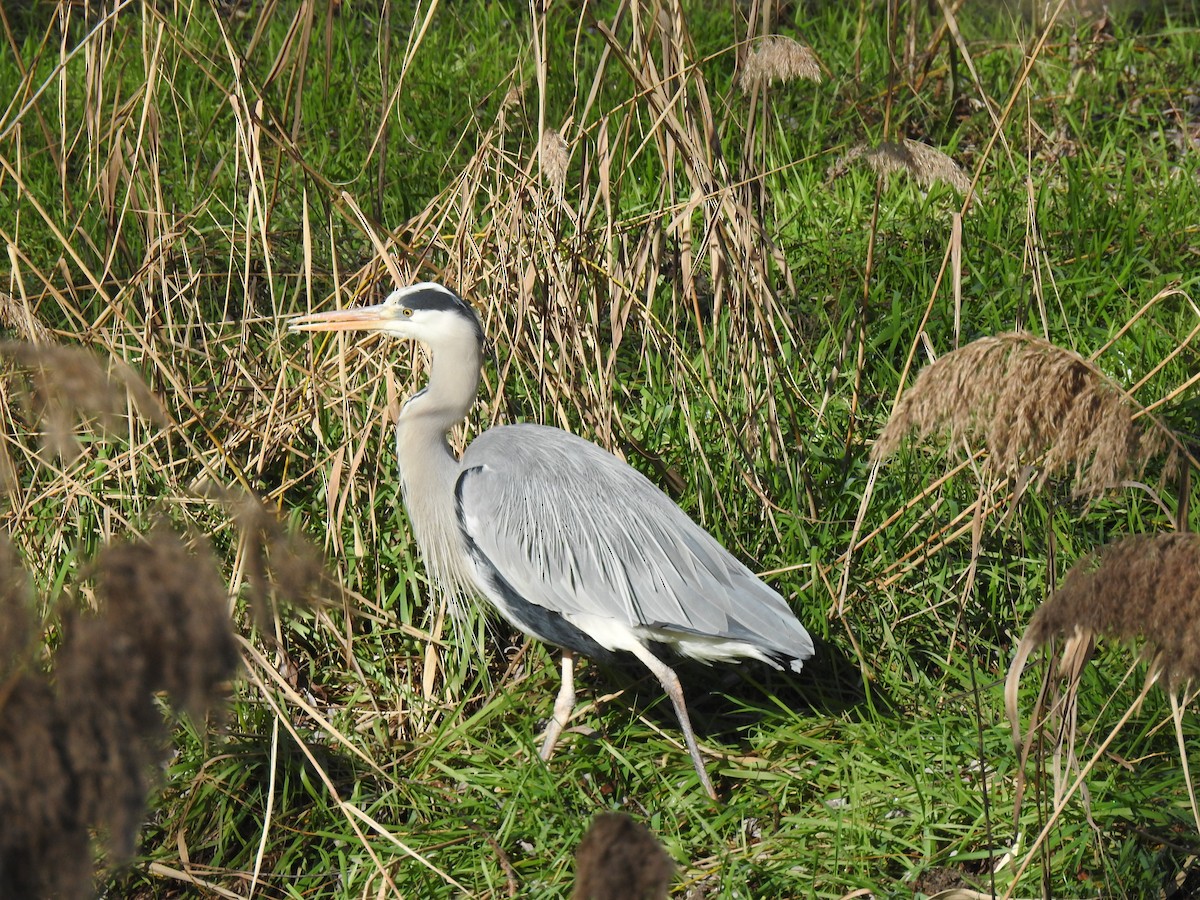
x=619, y=859
x=77, y=752
x=926, y=164
x=777, y=58
x=576, y=299
x=1029, y=402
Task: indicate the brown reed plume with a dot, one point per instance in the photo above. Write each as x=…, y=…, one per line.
x=926, y=164
x=1141, y=587
x=62, y=387
x=619, y=859
x=777, y=58
x=20, y=318
x=78, y=743
x=280, y=564
x=1028, y=401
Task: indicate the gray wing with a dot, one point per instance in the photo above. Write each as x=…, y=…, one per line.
x=574, y=530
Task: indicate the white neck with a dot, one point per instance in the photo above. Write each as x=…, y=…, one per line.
x=429, y=469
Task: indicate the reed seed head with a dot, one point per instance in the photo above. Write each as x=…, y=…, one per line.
x=1142, y=587
x=619, y=859
x=65, y=386
x=111, y=729
x=44, y=842
x=78, y=746
x=280, y=564
x=1145, y=587
x=552, y=150
x=777, y=58
x=20, y=318
x=926, y=164
x=173, y=606
x=44, y=848
x=1027, y=400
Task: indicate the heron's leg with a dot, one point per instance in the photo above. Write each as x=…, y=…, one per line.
x=563, y=704
x=670, y=682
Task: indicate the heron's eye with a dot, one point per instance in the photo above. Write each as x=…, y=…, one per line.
x=406, y=311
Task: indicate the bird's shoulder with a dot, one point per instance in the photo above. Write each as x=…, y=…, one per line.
x=545, y=484
x=526, y=451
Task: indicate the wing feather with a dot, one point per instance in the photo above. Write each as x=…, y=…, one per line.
x=576, y=531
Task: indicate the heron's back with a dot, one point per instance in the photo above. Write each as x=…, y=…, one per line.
x=577, y=532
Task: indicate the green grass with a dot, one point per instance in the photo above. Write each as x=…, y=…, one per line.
x=749, y=385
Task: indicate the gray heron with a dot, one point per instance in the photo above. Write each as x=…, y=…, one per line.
x=568, y=542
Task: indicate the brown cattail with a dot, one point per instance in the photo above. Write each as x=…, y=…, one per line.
x=1027, y=400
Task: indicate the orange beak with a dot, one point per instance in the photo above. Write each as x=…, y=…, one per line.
x=359, y=318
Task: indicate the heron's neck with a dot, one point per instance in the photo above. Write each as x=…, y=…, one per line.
x=443, y=403
x=428, y=467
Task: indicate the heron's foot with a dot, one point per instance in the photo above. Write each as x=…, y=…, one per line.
x=670, y=682
x=563, y=705
x=554, y=728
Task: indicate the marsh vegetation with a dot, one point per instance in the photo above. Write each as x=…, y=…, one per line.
x=719, y=240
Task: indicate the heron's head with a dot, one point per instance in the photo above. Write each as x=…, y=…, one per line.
x=425, y=312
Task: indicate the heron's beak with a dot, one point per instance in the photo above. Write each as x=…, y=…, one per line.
x=359, y=318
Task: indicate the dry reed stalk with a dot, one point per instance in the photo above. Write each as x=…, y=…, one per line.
x=619, y=859
x=1027, y=399
x=926, y=164
x=777, y=58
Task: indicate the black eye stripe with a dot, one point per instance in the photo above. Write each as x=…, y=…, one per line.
x=435, y=297
x=432, y=297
